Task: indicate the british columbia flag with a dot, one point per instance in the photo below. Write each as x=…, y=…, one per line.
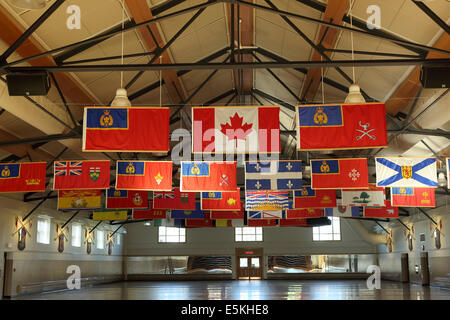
x=68, y=168
x=266, y=200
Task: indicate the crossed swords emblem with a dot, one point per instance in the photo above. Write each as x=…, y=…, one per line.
x=224, y=180
x=365, y=132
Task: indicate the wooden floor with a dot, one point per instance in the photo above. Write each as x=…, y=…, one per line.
x=248, y=290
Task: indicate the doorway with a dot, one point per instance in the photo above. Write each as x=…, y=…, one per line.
x=405, y=267
x=424, y=268
x=249, y=263
x=2, y=273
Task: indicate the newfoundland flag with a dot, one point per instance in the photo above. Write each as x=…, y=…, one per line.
x=341, y=126
x=136, y=129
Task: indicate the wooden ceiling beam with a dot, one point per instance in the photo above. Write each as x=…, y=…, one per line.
x=244, y=23
x=11, y=30
x=327, y=38
x=403, y=96
x=140, y=11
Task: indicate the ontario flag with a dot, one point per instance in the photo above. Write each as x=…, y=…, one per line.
x=413, y=197
x=81, y=175
x=341, y=126
x=339, y=174
x=150, y=213
x=310, y=198
x=208, y=176
x=126, y=199
x=228, y=215
x=236, y=129
x=305, y=213
x=174, y=199
x=22, y=177
x=144, y=175
x=228, y=201
x=136, y=129
x=387, y=211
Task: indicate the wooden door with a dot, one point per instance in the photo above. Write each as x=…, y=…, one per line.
x=249, y=264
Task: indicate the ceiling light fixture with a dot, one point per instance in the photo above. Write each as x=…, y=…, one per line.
x=354, y=92
x=442, y=181
x=29, y=4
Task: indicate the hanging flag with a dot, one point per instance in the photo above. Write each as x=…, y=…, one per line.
x=174, y=200
x=223, y=223
x=236, y=129
x=134, y=129
x=266, y=200
x=305, y=213
x=144, y=175
x=387, y=211
x=265, y=214
x=413, y=197
x=273, y=175
x=406, y=172
x=294, y=223
x=208, y=176
x=342, y=211
x=262, y=222
x=310, y=198
x=198, y=223
x=22, y=177
x=228, y=215
x=198, y=213
x=79, y=199
x=339, y=174
x=110, y=215
x=81, y=175
x=374, y=196
x=221, y=200
x=126, y=199
x=448, y=172
x=341, y=126
x=150, y=213
x=168, y=222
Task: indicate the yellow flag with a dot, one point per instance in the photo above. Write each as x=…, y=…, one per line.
x=110, y=215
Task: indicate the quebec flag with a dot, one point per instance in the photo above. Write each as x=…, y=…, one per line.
x=406, y=172
x=273, y=175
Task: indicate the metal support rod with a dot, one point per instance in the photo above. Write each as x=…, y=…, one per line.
x=159, y=52
x=51, y=137
x=130, y=221
x=337, y=26
x=372, y=53
x=63, y=99
x=432, y=15
x=278, y=79
x=429, y=148
x=426, y=214
x=31, y=30
x=37, y=206
x=404, y=224
x=413, y=106
x=381, y=226
x=132, y=55
x=232, y=22
x=113, y=33
x=95, y=226
x=117, y=230
x=67, y=222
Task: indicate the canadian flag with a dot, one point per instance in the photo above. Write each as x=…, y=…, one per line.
x=236, y=129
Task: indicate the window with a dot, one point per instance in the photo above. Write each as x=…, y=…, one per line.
x=248, y=234
x=118, y=239
x=43, y=230
x=328, y=233
x=100, y=239
x=171, y=234
x=76, y=235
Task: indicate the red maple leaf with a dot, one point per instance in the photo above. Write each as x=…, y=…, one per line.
x=232, y=130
